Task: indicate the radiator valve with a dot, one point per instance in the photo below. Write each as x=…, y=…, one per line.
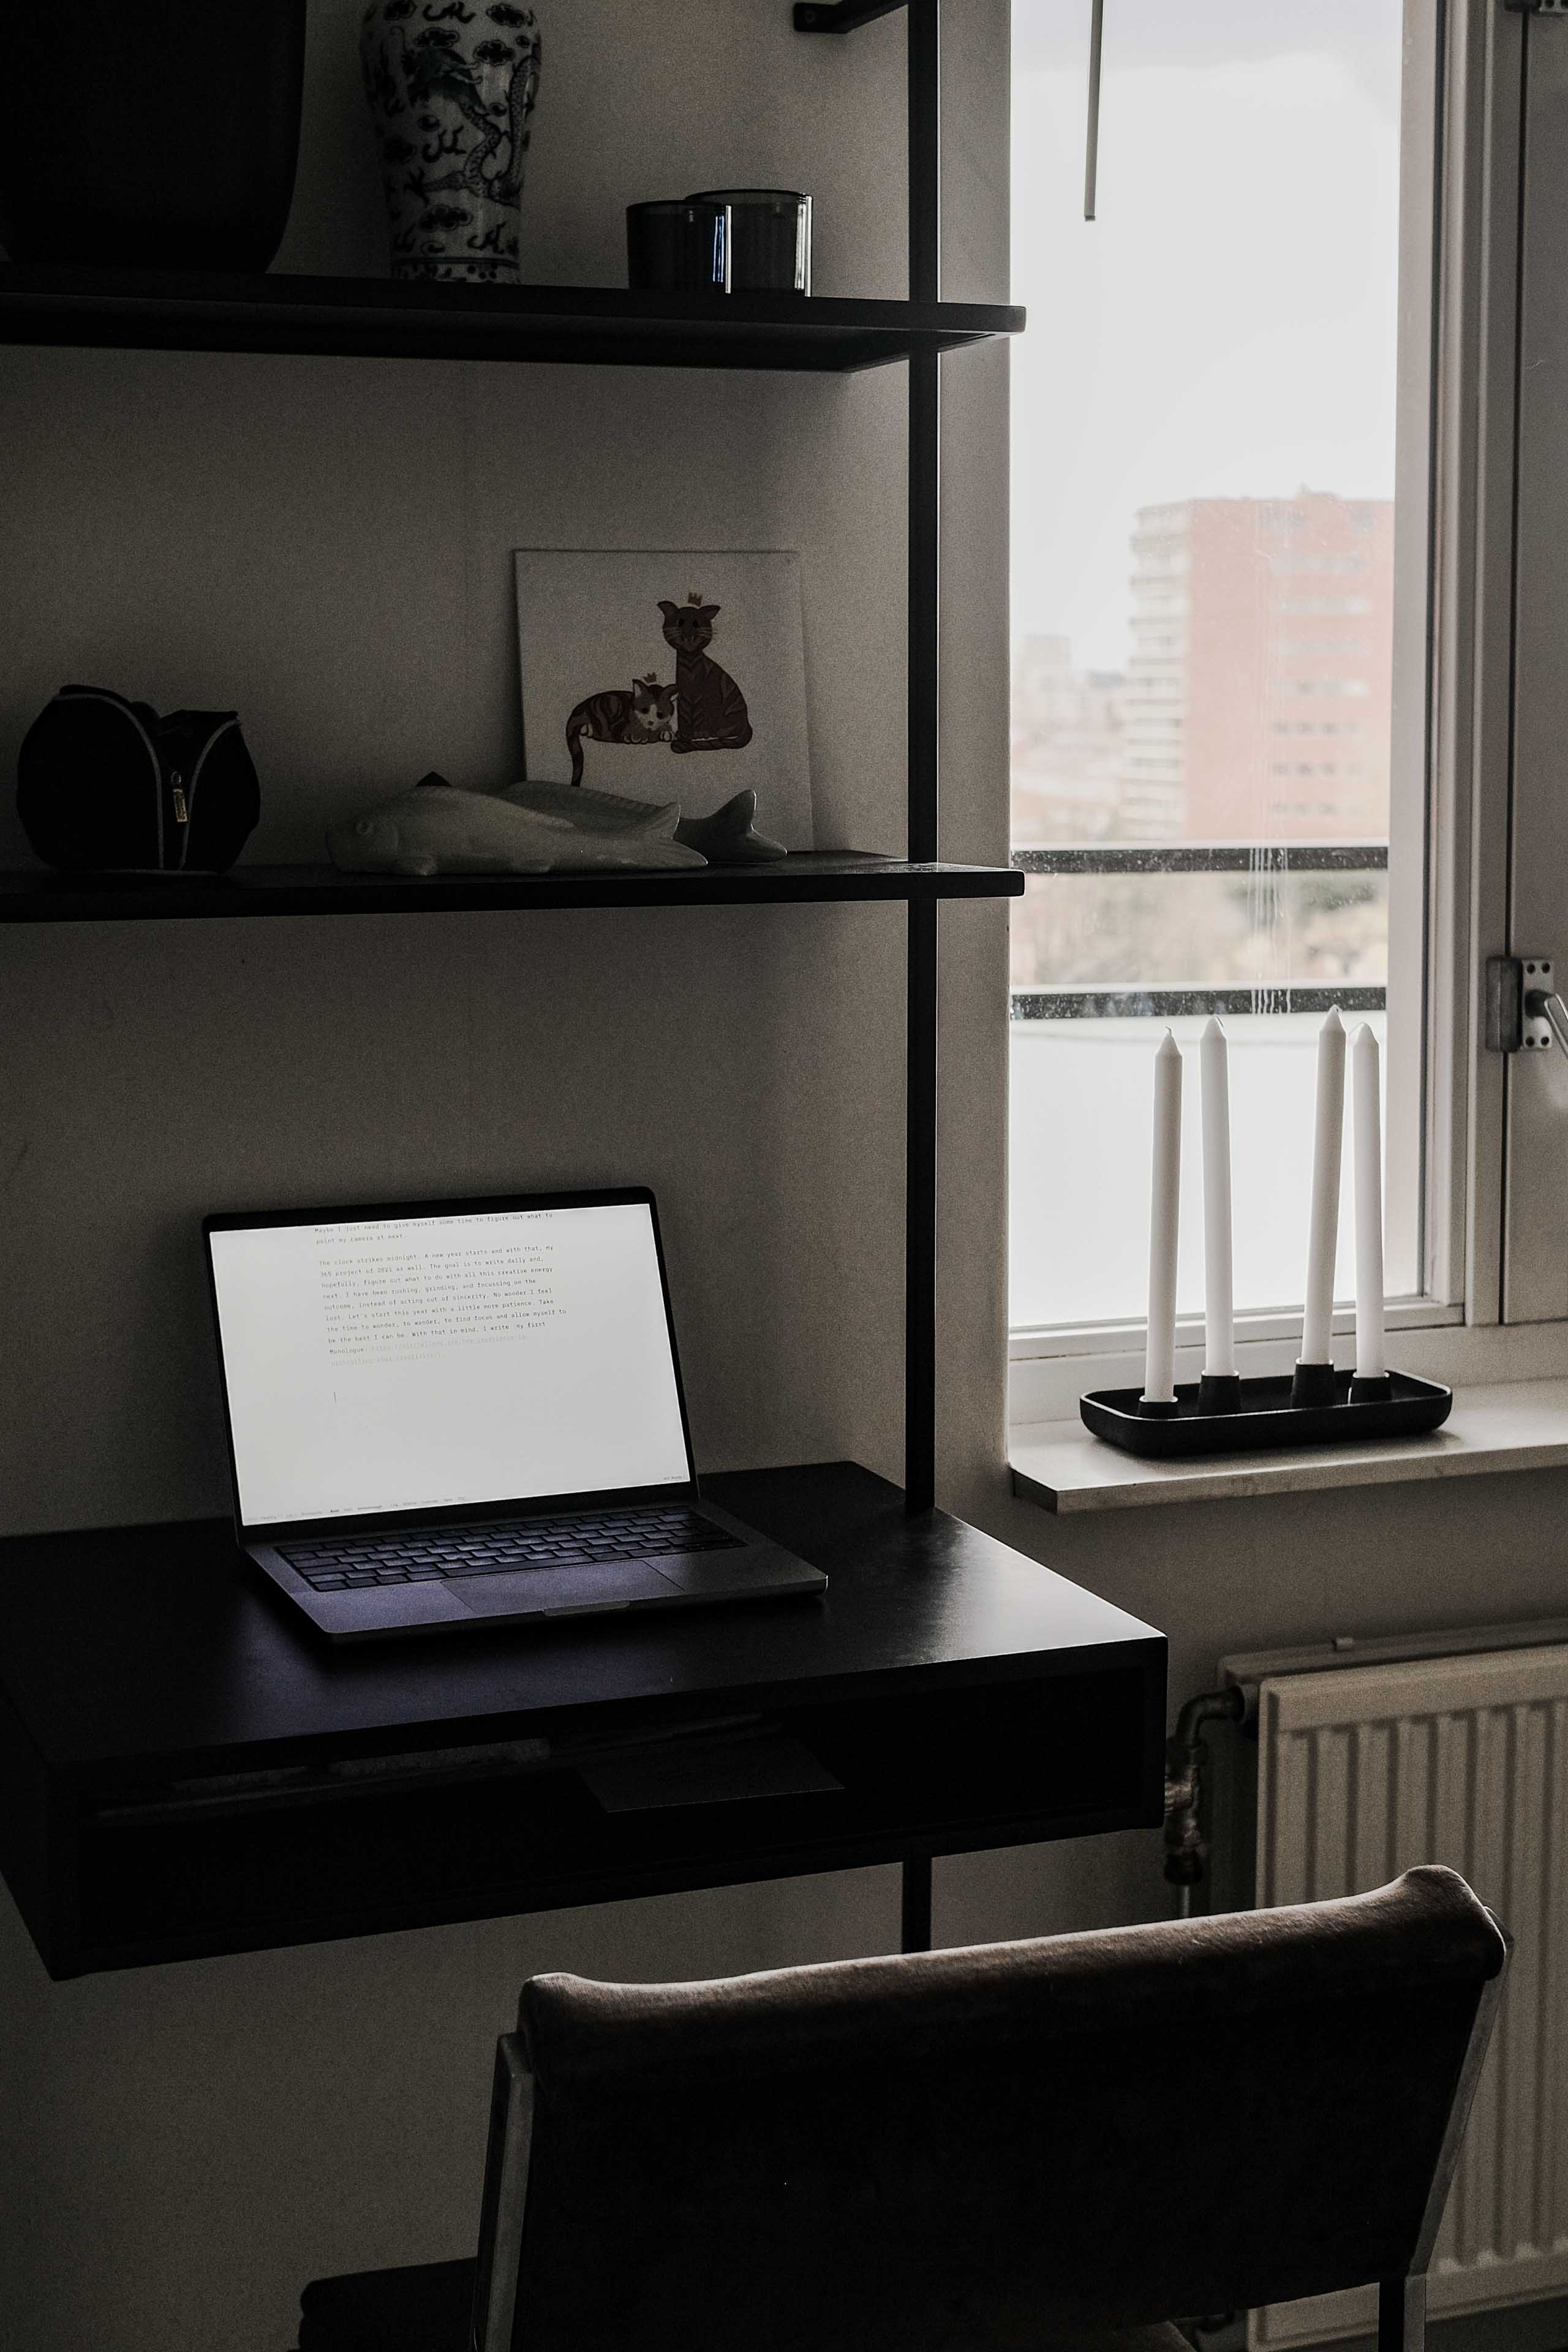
x=1186, y=1848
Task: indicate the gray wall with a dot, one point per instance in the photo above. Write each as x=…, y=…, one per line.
x=325, y=545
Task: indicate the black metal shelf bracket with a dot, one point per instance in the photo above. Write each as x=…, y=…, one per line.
x=841, y=16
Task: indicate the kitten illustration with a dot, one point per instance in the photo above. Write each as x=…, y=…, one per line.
x=645, y=715
x=713, y=715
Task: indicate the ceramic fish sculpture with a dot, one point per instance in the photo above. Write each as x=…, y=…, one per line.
x=728, y=837
x=438, y=829
x=587, y=811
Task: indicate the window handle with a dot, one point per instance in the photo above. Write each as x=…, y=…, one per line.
x=1540, y=1004
x=1523, y=1011
x=1091, y=147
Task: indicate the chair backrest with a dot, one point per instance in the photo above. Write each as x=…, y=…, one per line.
x=961, y=2148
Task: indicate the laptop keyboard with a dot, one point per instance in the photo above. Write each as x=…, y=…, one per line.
x=419, y=1556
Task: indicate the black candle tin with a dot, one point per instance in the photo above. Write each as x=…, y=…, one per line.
x=1264, y=1419
x=770, y=238
x=679, y=247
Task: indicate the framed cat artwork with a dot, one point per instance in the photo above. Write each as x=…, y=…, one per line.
x=667, y=677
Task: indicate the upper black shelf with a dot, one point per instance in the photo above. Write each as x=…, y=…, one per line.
x=806, y=878
x=378, y=318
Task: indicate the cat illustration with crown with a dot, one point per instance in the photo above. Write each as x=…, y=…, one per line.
x=711, y=714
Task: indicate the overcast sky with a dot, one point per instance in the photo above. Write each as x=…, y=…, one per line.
x=1226, y=327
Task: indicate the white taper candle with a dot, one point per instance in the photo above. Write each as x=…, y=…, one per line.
x=1160, y=1362
x=1219, y=1305
x=1323, y=1228
x=1365, y=1096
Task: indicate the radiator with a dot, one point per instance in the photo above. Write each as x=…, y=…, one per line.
x=1382, y=1759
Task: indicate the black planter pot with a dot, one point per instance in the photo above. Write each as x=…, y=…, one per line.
x=156, y=134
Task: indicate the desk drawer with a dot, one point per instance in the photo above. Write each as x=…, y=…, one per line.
x=957, y=1767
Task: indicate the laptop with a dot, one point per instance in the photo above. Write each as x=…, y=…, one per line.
x=449, y=1415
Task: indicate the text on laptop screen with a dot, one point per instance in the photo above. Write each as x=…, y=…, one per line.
x=407, y=1363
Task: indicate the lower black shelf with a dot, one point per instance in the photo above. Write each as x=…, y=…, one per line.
x=805, y=878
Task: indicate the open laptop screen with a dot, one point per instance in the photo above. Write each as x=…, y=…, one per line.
x=423, y=1360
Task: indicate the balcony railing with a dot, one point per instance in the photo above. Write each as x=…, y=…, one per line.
x=1262, y=860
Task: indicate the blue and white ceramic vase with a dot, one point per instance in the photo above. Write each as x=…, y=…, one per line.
x=451, y=89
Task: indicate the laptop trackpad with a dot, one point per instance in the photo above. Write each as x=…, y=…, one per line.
x=559, y=1591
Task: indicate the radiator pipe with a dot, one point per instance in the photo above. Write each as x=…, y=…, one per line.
x=1186, y=1848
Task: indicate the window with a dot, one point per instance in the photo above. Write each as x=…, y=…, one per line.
x=1220, y=459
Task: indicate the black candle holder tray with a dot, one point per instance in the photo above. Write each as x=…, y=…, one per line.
x=1266, y=1421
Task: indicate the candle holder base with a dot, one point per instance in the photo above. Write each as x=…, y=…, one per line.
x=1219, y=1393
x=1372, y=1388
x=1158, y=1408
x=1312, y=1387
x=1267, y=1418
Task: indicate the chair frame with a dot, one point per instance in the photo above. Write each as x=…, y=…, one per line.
x=1402, y=2302
x=497, y=2275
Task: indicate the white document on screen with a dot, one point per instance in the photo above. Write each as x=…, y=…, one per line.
x=404, y=1364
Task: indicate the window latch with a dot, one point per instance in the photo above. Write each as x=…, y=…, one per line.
x=1524, y=1013
x=1537, y=7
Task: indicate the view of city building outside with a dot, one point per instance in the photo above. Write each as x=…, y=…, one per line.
x=1255, y=709
x=1202, y=610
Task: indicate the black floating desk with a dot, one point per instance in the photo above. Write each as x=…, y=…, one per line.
x=186, y=1770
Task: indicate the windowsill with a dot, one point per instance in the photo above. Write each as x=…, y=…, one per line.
x=1508, y=1425
x=1430, y=1340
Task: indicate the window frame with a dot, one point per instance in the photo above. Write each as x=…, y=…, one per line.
x=1457, y=492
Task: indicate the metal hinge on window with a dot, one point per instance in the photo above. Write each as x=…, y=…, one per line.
x=1523, y=1010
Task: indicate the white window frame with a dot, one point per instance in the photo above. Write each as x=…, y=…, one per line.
x=1454, y=557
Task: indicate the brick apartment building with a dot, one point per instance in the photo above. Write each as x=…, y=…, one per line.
x=1257, y=699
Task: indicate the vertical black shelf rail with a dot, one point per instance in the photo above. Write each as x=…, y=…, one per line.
x=924, y=67
x=922, y=1036
x=924, y=673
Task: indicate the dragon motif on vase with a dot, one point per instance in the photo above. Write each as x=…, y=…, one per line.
x=433, y=70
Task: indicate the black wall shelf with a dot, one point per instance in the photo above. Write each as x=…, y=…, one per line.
x=378, y=318
x=600, y=325
x=806, y=878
